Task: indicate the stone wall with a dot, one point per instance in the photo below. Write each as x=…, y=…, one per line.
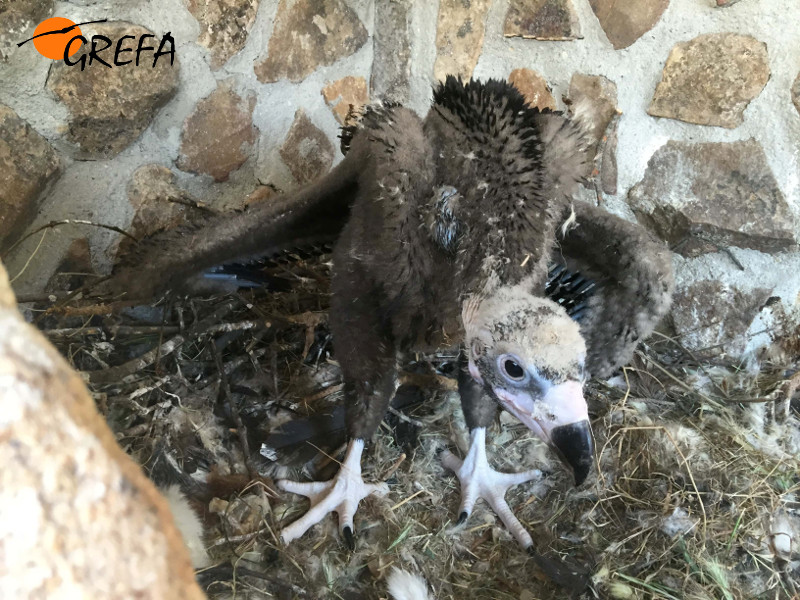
x=696, y=101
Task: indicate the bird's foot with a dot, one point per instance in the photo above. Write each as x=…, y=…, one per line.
x=341, y=494
x=479, y=480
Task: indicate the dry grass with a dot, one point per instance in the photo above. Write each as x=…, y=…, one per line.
x=696, y=472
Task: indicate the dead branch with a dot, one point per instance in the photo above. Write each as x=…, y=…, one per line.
x=125, y=373
x=54, y=224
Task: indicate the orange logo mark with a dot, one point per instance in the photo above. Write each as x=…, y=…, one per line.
x=52, y=45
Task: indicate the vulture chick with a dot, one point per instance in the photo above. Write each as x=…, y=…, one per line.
x=446, y=233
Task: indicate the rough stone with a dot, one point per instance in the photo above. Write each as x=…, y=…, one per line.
x=542, y=20
x=258, y=195
x=18, y=19
x=796, y=93
x=344, y=93
x=391, y=47
x=218, y=136
x=158, y=204
x=597, y=97
x=225, y=26
x=307, y=151
x=309, y=34
x=74, y=270
x=460, y=29
x=80, y=518
x=625, y=22
x=110, y=108
x=701, y=197
x=608, y=159
x=27, y=165
x=711, y=79
x=533, y=87
x=712, y=318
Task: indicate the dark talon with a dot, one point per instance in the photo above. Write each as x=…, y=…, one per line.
x=462, y=518
x=348, y=538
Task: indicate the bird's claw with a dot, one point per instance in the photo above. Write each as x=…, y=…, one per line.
x=341, y=495
x=479, y=480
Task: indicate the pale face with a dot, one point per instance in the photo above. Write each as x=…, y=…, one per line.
x=528, y=355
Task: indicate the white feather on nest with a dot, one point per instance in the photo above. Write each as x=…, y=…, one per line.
x=407, y=586
x=189, y=525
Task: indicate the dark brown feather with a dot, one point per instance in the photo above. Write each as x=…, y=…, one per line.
x=397, y=283
x=633, y=275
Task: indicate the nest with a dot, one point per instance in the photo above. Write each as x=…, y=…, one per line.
x=694, y=494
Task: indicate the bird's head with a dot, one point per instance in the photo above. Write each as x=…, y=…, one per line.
x=528, y=354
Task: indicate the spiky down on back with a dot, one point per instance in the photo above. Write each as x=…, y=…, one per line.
x=494, y=112
x=369, y=117
x=515, y=169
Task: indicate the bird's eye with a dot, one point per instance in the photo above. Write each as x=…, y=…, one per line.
x=513, y=369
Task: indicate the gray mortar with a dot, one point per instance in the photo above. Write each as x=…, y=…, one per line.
x=97, y=190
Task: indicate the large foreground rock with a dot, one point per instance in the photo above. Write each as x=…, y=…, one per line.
x=700, y=197
x=78, y=518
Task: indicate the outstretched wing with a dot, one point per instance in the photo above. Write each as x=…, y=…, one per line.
x=386, y=140
x=310, y=216
x=615, y=279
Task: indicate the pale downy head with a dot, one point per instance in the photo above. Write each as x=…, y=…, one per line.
x=528, y=354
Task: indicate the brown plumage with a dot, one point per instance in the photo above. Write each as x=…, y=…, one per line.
x=446, y=228
x=632, y=272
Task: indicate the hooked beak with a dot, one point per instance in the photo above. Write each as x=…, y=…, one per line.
x=561, y=419
x=575, y=444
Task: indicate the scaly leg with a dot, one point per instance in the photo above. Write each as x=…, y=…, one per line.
x=367, y=355
x=341, y=494
x=479, y=480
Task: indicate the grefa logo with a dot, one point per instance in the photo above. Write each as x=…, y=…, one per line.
x=58, y=38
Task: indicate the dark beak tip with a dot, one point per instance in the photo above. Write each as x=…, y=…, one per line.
x=581, y=475
x=575, y=444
